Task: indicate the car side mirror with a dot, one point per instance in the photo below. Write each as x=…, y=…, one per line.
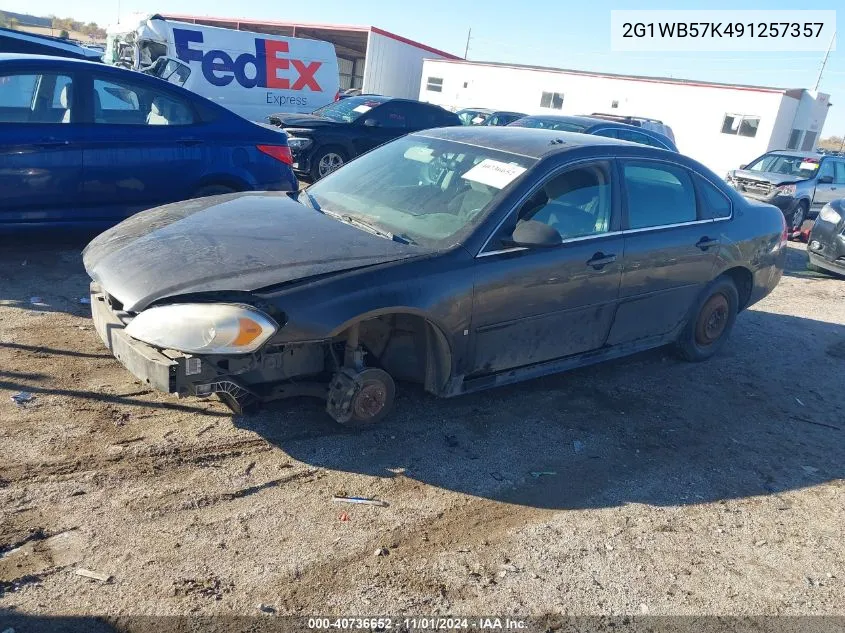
x=533, y=234
x=370, y=122
x=743, y=166
x=825, y=180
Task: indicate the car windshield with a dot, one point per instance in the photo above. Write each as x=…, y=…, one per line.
x=428, y=191
x=794, y=166
x=549, y=124
x=473, y=117
x=347, y=110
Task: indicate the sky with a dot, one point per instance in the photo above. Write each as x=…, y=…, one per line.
x=564, y=34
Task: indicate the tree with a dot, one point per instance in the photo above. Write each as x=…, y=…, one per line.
x=64, y=34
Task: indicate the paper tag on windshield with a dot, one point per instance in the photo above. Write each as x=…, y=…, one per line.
x=362, y=109
x=419, y=154
x=810, y=165
x=478, y=119
x=494, y=173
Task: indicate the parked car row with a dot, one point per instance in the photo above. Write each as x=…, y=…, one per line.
x=89, y=144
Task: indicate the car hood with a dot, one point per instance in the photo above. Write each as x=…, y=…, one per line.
x=766, y=176
x=302, y=121
x=236, y=242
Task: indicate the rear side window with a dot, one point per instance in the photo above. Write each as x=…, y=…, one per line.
x=658, y=194
x=608, y=132
x=35, y=98
x=129, y=103
x=715, y=203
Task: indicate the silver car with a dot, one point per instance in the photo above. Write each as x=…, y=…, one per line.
x=798, y=183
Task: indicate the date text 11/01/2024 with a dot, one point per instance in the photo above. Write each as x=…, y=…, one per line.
x=416, y=624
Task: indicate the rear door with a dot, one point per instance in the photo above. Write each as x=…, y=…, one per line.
x=40, y=151
x=144, y=146
x=671, y=244
x=391, y=120
x=830, y=190
x=537, y=304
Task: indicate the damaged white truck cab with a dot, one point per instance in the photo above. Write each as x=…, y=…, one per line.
x=252, y=74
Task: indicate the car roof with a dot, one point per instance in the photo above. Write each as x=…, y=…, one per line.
x=530, y=142
x=793, y=153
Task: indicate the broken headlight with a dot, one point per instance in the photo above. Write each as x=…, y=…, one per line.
x=203, y=328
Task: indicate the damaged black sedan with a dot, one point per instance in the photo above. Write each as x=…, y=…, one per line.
x=459, y=258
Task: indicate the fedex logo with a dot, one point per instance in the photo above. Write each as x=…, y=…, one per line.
x=270, y=57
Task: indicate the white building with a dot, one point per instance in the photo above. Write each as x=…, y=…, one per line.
x=369, y=58
x=720, y=125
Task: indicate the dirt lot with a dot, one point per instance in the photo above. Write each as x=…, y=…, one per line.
x=645, y=485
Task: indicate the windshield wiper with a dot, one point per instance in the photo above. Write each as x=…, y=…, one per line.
x=362, y=224
x=357, y=222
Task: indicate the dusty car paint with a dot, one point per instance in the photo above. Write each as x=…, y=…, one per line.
x=466, y=317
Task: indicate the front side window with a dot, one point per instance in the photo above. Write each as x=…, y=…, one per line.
x=576, y=203
x=428, y=190
x=391, y=115
x=658, y=194
x=826, y=170
x=839, y=172
x=35, y=98
x=553, y=100
x=128, y=103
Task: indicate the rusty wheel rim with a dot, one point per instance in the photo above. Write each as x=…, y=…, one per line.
x=712, y=320
x=370, y=400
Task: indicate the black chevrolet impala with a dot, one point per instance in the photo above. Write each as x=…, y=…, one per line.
x=459, y=258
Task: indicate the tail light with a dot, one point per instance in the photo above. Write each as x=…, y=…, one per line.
x=279, y=152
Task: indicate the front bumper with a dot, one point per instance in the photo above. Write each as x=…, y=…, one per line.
x=142, y=360
x=826, y=246
x=787, y=204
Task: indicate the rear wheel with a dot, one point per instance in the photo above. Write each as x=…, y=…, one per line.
x=326, y=161
x=710, y=322
x=212, y=190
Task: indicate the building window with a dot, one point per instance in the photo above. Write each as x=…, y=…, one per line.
x=794, y=139
x=614, y=104
x=434, y=84
x=741, y=124
x=809, y=141
x=552, y=100
x=466, y=83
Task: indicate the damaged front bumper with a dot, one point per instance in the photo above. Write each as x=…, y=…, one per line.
x=239, y=380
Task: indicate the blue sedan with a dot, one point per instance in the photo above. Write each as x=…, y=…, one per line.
x=84, y=144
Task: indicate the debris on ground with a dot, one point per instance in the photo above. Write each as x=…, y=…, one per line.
x=266, y=608
x=93, y=575
x=22, y=398
x=381, y=551
x=343, y=516
x=362, y=500
x=542, y=473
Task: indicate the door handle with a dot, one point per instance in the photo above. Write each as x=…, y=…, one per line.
x=706, y=242
x=600, y=260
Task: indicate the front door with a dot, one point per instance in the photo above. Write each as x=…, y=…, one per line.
x=830, y=182
x=671, y=244
x=143, y=148
x=40, y=155
x=538, y=304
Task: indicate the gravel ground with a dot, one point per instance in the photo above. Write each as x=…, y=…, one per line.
x=645, y=485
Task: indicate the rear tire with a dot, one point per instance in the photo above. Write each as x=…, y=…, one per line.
x=710, y=322
x=212, y=190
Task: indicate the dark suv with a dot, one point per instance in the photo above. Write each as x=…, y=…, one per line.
x=334, y=134
x=798, y=183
